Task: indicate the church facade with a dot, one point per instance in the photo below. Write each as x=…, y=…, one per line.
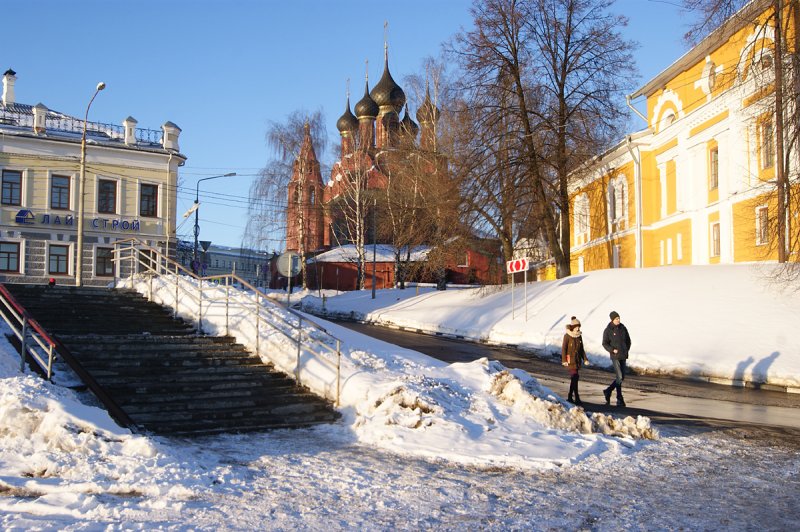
x=373, y=137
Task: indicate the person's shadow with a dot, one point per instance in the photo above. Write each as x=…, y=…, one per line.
x=738, y=375
x=760, y=372
x=761, y=369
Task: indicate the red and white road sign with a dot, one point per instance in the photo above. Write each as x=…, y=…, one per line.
x=517, y=265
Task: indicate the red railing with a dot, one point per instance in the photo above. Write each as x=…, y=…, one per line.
x=25, y=327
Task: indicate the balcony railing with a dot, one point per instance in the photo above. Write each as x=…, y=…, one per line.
x=69, y=124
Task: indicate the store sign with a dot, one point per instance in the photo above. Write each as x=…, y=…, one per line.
x=26, y=217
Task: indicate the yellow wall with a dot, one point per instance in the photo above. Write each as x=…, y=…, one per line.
x=683, y=85
x=681, y=245
x=36, y=191
x=744, y=229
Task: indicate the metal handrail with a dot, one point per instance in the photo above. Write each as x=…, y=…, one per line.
x=148, y=262
x=27, y=327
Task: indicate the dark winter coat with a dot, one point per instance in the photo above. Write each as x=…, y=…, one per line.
x=617, y=337
x=572, y=351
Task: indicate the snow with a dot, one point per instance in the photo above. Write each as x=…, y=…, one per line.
x=729, y=323
x=422, y=443
x=383, y=253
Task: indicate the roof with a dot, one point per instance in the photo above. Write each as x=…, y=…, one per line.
x=383, y=253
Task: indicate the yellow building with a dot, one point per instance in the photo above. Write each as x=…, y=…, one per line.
x=698, y=185
x=130, y=184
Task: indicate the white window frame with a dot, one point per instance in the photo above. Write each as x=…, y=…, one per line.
x=70, y=256
x=761, y=229
x=117, y=198
x=139, y=199
x=715, y=244
x=669, y=251
x=580, y=219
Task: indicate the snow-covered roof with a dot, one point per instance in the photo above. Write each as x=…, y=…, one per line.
x=383, y=253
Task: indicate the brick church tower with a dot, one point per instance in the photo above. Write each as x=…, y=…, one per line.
x=305, y=217
x=374, y=128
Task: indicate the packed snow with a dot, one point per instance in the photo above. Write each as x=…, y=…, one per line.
x=421, y=444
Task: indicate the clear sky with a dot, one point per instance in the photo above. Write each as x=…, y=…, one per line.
x=222, y=70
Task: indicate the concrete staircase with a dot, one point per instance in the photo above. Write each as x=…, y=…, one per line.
x=164, y=377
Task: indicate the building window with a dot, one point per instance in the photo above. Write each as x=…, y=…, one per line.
x=59, y=192
x=762, y=226
x=58, y=262
x=679, y=247
x=9, y=257
x=669, y=251
x=12, y=187
x=312, y=196
x=148, y=200
x=612, y=202
x=767, y=144
x=464, y=262
x=581, y=218
x=713, y=168
x=104, y=266
x=107, y=197
x=715, y=241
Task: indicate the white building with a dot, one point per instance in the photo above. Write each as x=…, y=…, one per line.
x=130, y=185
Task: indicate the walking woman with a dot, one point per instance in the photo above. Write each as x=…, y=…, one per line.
x=573, y=357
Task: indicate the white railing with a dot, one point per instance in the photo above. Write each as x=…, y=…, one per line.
x=34, y=341
x=198, y=298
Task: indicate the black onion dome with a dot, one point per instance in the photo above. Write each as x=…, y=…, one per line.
x=348, y=121
x=427, y=112
x=387, y=92
x=366, y=106
x=407, y=125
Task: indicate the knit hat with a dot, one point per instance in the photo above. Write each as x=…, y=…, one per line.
x=614, y=315
x=575, y=321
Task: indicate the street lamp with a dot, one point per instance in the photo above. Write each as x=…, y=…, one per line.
x=81, y=184
x=197, y=207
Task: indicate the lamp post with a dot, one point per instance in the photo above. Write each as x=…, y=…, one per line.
x=81, y=186
x=197, y=207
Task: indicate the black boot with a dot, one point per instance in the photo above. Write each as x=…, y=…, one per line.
x=572, y=397
x=607, y=395
x=620, y=400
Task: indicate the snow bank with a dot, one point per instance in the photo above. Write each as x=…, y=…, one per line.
x=412, y=404
x=728, y=322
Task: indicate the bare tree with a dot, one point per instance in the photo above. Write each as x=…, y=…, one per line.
x=267, y=217
x=351, y=203
x=562, y=68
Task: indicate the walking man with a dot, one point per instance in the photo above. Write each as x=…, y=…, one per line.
x=617, y=342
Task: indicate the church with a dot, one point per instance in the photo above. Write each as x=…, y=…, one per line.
x=371, y=141
x=376, y=143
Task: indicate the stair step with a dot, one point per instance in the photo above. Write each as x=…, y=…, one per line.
x=163, y=375
x=234, y=410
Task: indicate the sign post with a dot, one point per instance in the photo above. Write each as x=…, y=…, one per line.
x=512, y=267
x=289, y=265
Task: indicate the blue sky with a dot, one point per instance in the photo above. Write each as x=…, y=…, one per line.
x=222, y=70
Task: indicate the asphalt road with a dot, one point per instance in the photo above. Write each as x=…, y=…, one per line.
x=665, y=400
